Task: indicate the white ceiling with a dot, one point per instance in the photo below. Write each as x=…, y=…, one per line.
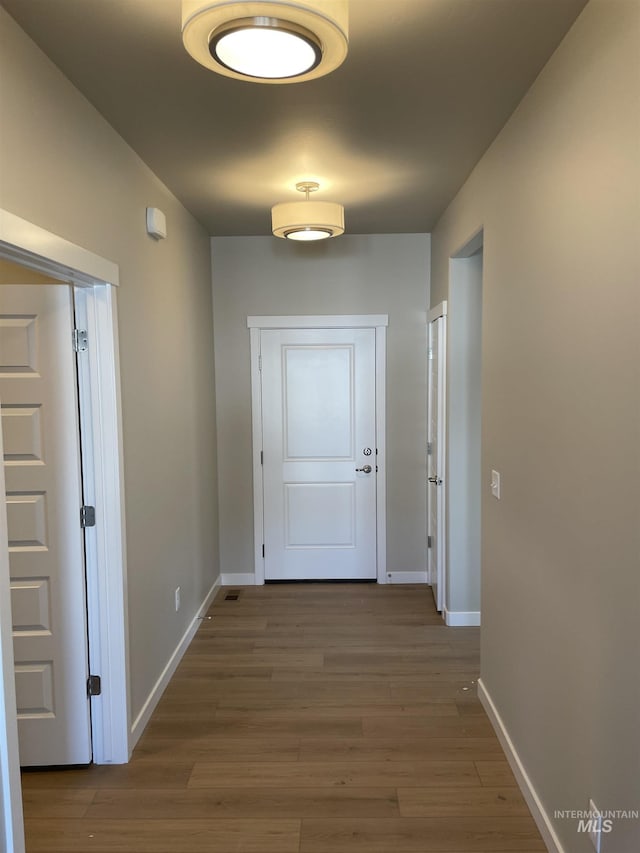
x=392, y=134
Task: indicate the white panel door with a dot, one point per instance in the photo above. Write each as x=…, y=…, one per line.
x=435, y=467
x=319, y=446
x=38, y=394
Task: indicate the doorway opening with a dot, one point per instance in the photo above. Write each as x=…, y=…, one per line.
x=94, y=281
x=464, y=427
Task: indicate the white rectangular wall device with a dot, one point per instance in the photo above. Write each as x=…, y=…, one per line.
x=156, y=223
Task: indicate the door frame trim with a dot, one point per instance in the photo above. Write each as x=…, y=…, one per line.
x=379, y=323
x=95, y=279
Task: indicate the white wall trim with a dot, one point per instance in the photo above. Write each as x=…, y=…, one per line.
x=462, y=618
x=11, y=821
x=160, y=686
x=407, y=577
x=381, y=450
x=437, y=311
x=255, y=325
x=240, y=579
x=32, y=246
x=328, y=321
x=256, y=430
x=529, y=793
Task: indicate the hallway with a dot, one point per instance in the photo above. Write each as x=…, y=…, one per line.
x=319, y=718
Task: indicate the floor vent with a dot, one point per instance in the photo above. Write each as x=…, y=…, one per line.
x=233, y=595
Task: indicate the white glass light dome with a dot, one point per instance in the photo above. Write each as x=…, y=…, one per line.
x=265, y=48
x=286, y=41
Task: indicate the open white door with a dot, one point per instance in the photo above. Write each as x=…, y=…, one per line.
x=319, y=443
x=11, y=819
x=44, y=495
x=436, y=452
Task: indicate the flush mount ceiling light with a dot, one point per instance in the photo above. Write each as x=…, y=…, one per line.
x=307, y=220
x=264, y=41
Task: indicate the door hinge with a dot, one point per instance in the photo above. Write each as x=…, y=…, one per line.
x=94, y=685
x=262, y=457
x=260, y=362
x=430, y=354
x=429, y=448
x=263, y=550
x=428, y=542
x=87, y=516
x=80, y=340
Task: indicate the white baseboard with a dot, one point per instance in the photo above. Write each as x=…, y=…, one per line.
x=462, y=618
x=159, y=687
x=532, y=799
x=244, y=579
x=406, y=577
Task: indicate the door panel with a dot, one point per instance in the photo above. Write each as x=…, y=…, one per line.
x=43, y=481
x=318, y=398
x=436, y=416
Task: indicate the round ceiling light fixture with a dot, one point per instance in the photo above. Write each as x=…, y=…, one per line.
x=264, y=41
x=307, y=220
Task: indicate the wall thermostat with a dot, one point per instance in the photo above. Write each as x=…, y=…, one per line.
x=156, y=223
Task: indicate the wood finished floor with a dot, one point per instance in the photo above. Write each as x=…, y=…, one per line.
x=328, y=718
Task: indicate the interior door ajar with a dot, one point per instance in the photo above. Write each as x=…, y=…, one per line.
x=38, y=393
x=436, y=459
x=319, y=454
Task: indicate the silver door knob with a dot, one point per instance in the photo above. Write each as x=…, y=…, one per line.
x=366, y=469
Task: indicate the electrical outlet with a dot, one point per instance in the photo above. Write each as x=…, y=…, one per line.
x=177, y=598
x=595, y=826
x=495, y=484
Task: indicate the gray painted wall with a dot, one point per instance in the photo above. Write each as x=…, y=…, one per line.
x=558, y=197
x=65, y=169
x=384, y=274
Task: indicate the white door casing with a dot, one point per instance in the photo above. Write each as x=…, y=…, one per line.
x=436, y=419
x=299, y=507
x=38, y=388
x=319, y=444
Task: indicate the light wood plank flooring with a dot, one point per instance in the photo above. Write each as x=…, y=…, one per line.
x=324, y=718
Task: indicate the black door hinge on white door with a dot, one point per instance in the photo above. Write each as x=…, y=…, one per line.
x=428, y=542
x=94, y=685
x=87, y=516
x=80, y=340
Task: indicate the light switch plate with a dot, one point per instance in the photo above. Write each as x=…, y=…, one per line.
x=495, y=484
